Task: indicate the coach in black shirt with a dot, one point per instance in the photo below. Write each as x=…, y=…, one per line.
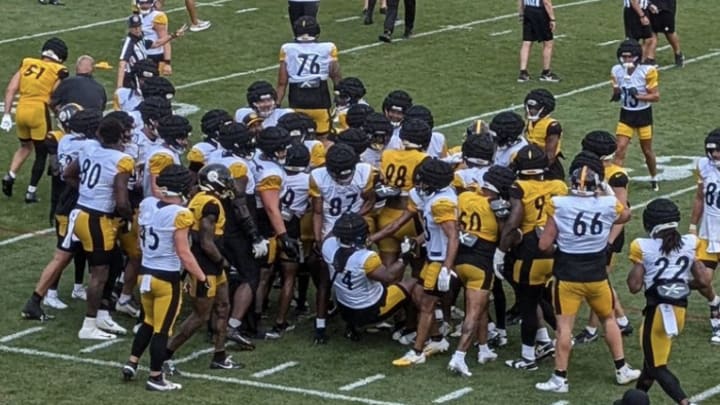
x=80, y=89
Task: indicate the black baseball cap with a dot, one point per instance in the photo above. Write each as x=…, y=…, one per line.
x=134, y=21
x=633, y=397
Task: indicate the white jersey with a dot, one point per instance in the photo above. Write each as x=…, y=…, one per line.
x=98, y=168
x=709, y=176
x=149, y=33
x=158, y=222
x=145, y=145
x=338, y=198
x=583, y=223
x=70, y=146
x=505, y=156
x=372, y=157
x=238, y=167
x=269, y=121
x=128, y=100
x=644, y=77
x=658, y=266
x=159, y=158
x=202, y=151
x=470, y=177
x=268, y=176
x=352, y=286
x=296, y=199
x=436, y=149
x=308, y=61
x=440, y=207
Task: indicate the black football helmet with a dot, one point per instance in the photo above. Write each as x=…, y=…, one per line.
x=712, y=144
x=340, y=162
x=351, y=229
x=298, y=159
x=478, y=127
x=601, y=143
x=422, y=113
x=660, y=212
x=499, y=179
x=356, y=114
x=216, y=178
x=157, y=86
x=396, y=105
x=507, y=127
x=356, y=138
x=273, y=142
x=379, y=129
x=415, y=134
x=299, y=125
x=175, y=131
x=632, y=49
x=55, y=49
x=65, y=113
x=349, y=91
x=85, y=122
x=262, y=98
x=432, y=176
x=211, y=122
x=235, y=138
x=479, y=150
x=539, y=103
x=175, y=180
x=530, y=160
x=306, y=28
x=152, y=109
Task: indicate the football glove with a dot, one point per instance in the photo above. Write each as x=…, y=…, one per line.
x=499, y=264
x=443, y=281
x=260, y=248
x=201, y=289
x=407, y=248
x=615, y=97
x=6, y=123
x=289, y=246
x=454, y=159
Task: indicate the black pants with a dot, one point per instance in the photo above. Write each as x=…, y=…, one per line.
x=297, y=9
x=391, y=16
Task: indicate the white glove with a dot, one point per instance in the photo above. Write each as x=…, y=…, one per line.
x=407, y=246
x=454, y=159
x=260, y=248
x=499, y=264
x=443, y=281
x=6, y=123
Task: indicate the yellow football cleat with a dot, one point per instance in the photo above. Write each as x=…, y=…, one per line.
x=409, y=359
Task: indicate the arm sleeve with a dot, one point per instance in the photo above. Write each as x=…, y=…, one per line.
x=554, y=129
x=210, y=208
x=619, y=179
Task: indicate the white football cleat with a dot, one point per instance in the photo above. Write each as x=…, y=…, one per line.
x=407, y=339
x=554, y=384
x=93, y=333
x=200, y=26
x=626, y=375
x=53, y=301
x=79, y=293
x=459, y=366
x=162, y=385
x=127, y=308
x=433, y=347
x=109, y=325
x=486, y=356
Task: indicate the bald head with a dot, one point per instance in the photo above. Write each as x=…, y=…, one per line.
x=84, y=65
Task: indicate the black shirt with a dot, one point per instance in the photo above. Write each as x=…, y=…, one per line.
x=81, y=89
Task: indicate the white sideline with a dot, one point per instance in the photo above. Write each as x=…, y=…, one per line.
x=362, y=382
x=453, y=395
x=249, y=383
x=276, y=369
x=96, y=24
x=20, y=334
x=374, y=44
x=25, y=236
x=495, y=34
x=569, y=93
x=99, y=346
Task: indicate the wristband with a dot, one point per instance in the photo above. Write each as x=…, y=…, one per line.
x=692, y=228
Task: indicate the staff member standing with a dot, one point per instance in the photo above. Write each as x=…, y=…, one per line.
x=662, y=19
x=538, y=20
x=637, y=26
x=82, y=89
x=391, y=16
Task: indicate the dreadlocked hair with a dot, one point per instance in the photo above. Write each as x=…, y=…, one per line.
x=671, y=240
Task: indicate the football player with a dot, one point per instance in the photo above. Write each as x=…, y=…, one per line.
x=398, y=167
x=35, y=80
x=210, y=125
x=508, y=128
x=303, y=130
x=531, y=269
x=434, y=201
x=165, y=244
x=242, y=243
x=543, y=130
x=101, y=174
x=635, y=86
x=478, y=153
x=437, y=148
x=664, y=264
x=348, y=92
x=343, y=185
x=263, y=102
x=210, y=298
x=80, y=123
x=379, y=130
x=366, y=290
x=603, y=144
x=395, y=105
x=705, y=221
x=151, y=110
x=356, y=114
x=174, y=131
x=129, y=96
x=305, y=67
x=576, y=233
x=482, y=212
x=477, y=127
x=155, y=29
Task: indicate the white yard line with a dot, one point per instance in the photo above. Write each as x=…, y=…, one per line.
x=248, y=383
x=346, y=19
x=668, y=195
x=96, y=24
x=452, y=396
x=361, y=383
x=194, y=355
x=560, y=36
x=604, y=83
x=374, y=44
x=102, y=345
x=563, y=402
x=711, y=392
x=247, y=10
x=276, y=369
x=606, y=43
x=495, y=34
x=25, y=236
x=20, y=334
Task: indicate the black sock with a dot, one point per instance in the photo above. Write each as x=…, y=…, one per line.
x=436, y=338
x=546, y=71
x=169, y=353
x=561, y=373
x=219, y=356
x=36, y=298
x=619, y=363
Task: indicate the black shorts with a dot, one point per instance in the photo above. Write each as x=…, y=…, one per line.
x=584, y=267
x=664, y=21
x=310, y=95
x=206, y=264
x=536, y=25
x=239, y=253
x=633, y=27
x=636, y=118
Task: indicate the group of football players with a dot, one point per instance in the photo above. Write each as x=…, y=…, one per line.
x=350, y=198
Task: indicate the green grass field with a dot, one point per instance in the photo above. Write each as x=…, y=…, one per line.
x=462, y=63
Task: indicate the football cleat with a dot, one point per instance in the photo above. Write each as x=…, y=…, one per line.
x=31, y=197
x=385, y=37
x=586, y=337
x=169, y=368
x=79, y=293
x=320, y=336
x=543, y=350
x=436, y=346
x=626, y=330
x=407, y=338
x=522, y=364
x=33, y=310
x=200, y=26
x=53, y=301
x=715, y=336
x=226, y=364
x=654, y=185
x=554, y=384
x=458, y=366
x=161, y=385
x=407, y=34
x=109, y=325
x=278, y=330
x=7, y=185
x=128, y=308
x=626, y=375
x=523, y=77
x=457, y=314
x=497, y=339
x=549, y=77
x=243, y=342
x=129, y=371
x=93, y=333
x=409, y=359
x=679, y=60
x=486, y=356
